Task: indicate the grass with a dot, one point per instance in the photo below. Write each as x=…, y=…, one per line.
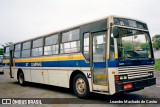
x=157, y=65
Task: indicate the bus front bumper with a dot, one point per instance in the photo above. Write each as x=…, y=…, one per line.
x=134, y=85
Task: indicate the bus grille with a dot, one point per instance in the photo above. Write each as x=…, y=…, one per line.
x=136, y=71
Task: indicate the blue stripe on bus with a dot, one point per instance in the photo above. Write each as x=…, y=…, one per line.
x=82, y=63
x=72, y=63
x=117, y=63
x=137, y=62
x=114, y=63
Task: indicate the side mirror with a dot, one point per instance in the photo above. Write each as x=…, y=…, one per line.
x=115, y=32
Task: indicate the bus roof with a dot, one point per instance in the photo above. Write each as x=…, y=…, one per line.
x=70, y=28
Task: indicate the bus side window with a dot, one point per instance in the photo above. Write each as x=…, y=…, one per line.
x=70, y=41
x=17, y=51
x=86, y=46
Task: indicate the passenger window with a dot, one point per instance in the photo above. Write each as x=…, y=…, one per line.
x=51, y=45
x=26, y=49
x=17, y=51
x=70, y=36
x=37, y=49
x=70, y=42
x=38, y=43
x=86, y=46
x=17, y=47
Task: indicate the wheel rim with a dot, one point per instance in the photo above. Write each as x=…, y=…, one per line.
x=21, y=78
x=80, y=86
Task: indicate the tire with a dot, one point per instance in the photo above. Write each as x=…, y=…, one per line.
x=21, y=79
x=80, y=86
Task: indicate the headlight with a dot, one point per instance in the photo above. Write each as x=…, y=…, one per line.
x=150, y=73
x=125, y=77
x=121, y=77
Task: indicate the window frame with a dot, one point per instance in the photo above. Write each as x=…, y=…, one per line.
x=37, y=47
x=38, y=52
x=69, y=41
x=68, y=32
x=26, y=49
x=37, y=40
x=51, y=44
x=19, y=55
x=51, y=50
x=51, y=36
x=17, y=50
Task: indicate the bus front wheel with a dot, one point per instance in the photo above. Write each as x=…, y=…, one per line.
x=80, y=86
x=21, y=78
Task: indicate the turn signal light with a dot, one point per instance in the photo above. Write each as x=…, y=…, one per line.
x=116, y=78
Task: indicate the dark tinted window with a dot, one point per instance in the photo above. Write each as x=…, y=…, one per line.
x=129, y=22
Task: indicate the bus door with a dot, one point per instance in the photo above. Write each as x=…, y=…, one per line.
x=98, y=61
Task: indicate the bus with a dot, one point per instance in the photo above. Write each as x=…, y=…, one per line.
x=1, y=61
x=105, y=56
x=1, y=64
x=6, y=59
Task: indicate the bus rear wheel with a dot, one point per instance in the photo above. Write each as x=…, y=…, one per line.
x=80, y=86
x=21, y=78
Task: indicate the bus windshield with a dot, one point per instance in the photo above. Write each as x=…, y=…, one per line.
x=133, y=44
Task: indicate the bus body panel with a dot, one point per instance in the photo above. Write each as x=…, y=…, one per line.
x=6, y=65
x=27, y=73
x=111, y=73
x=47, y=74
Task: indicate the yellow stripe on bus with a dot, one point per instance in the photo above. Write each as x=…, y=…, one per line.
x=41, y=59
x=108, y=56
x=73, y=57
x=115, y=55
x=5, y=61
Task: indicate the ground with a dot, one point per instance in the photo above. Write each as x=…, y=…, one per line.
x=9, y=88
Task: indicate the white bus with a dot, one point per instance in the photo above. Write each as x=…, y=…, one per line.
x=105, y=56
x=6, y=59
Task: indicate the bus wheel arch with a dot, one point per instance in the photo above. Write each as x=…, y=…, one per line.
x=20, y=77
x=79, y=76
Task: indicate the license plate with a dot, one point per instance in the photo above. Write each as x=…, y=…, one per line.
x=127, y=86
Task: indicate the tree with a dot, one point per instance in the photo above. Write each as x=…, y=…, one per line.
x=1, y=51
x=128, y=46
x=145, y=46
x=156, y=41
